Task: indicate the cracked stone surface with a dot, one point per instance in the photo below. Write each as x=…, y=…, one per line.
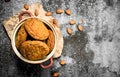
x=94, y=52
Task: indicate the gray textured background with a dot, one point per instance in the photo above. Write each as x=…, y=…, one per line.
x=95, y=52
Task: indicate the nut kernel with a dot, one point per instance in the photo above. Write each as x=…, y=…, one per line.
x=69, y=31
x=62, y=62
x=26, y=6
x=80, y=28
x=36, y=12
x=48, y=14
x=55, y=74
x=72, y=22
x=68, y=12
x=59, y=11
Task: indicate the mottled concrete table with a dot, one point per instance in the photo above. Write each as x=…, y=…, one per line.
x=94, y=52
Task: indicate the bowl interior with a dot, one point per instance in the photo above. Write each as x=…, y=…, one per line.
x=19, y=54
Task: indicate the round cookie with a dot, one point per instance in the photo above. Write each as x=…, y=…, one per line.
x=34, y=50
x=51, y=40
x=36, y=29
x=20, y=37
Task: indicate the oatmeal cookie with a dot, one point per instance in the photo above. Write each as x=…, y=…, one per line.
x=34, y=50
x=36, y=29
x=51, y=40
x=20, y=37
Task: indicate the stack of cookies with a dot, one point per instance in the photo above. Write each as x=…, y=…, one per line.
x=35, y=40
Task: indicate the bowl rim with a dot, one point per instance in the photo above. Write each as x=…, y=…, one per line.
x=17, y=26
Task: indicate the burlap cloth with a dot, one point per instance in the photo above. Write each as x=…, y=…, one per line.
x=11, y=22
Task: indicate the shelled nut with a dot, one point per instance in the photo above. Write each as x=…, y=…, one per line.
x=48, y=13
x=55, y=74
x=80, y=28
x=69, y=31
x=72, y=22
x=26, y=6
x=36, y=12
x=62, y=62
x=59, y=11
x=68, y=12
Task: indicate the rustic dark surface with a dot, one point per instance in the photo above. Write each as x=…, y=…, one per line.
x=95, y=52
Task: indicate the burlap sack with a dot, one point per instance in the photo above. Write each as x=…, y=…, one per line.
x=10, y=23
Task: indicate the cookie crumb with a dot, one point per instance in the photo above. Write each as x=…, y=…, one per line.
x=36, y=12
x=55, y=74
x=48, y=13
x=59, y=11
x=26, y=6
x=68, y=12
x=62, y=62
x=72, y=22
x=55, y=21
x=81, y=21
x=80, y=28
x=69, y=31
